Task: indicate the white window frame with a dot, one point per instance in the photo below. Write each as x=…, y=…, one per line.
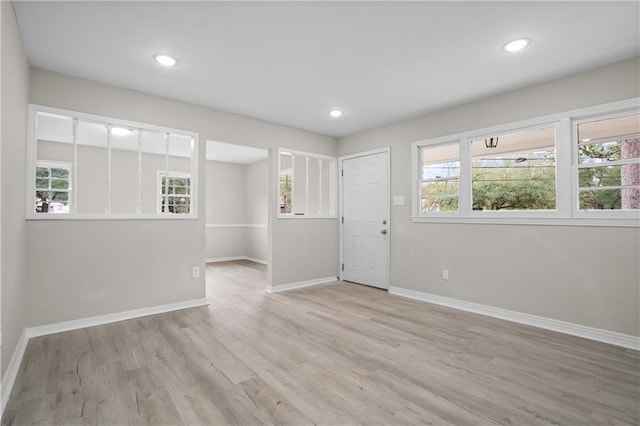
x=159, y=196
x=58, y=165
x=32, y=159
x=333, y=186
x=417, y=160
x=575, y=167
x=566, y=212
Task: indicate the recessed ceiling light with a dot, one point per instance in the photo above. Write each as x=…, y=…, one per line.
x=335, y=113
x=165, y=60
x=120, y=131
x=516, y=45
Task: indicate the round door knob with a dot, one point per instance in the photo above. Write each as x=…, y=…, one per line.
x=383, y=232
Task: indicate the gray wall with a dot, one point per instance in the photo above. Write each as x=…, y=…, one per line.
x=121, y=265
x=584, y=275
x=255, y=210
x=236, y=196
x=224, y=206
x=14, y=88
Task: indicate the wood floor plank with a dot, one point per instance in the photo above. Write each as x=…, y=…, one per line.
x=336, y=354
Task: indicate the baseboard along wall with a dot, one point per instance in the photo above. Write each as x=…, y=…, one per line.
x=230, y=258
x=300, y=284
x=600, y=335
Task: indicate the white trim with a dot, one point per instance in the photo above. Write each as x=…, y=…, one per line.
x=63, y=326
x=235, y=225
x=31, y=150
x=300, y=284
x=231, y=258
x=10, y=375
x=332, y=214
x=224, y=259
x=550, y=221
x=606, y=336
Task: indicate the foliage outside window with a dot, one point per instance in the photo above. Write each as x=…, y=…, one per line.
x=174, y=192
x=307, y=185
x=519, y=173
x=568, y=168
x=53, y=187
x=609, y=163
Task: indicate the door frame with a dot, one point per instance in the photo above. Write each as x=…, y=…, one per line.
x=383, y=150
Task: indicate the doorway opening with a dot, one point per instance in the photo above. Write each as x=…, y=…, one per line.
x=236, y=214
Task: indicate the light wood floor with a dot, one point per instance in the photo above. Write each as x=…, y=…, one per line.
x=335, y=354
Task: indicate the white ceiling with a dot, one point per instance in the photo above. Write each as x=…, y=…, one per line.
x=232, y=153
x=291, y=62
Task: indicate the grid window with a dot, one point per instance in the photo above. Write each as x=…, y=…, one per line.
x=608, y=153
x=53, y=188
x=174, y=193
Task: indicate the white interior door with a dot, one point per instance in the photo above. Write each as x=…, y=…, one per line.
x=365, y=208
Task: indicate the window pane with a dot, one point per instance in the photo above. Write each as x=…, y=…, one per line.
x=42, y=183
x=42, y=171
x=614, y=139
x=516, y=171
x=610, y=128
x=439, y=173
x=59, y=173
x=610, y=199
x=439, y=204
x=443, y=187
x=609, y=175
x=59, y=184
x=285, y=192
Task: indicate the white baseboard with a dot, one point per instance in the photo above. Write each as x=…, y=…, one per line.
x=230, y=258
x=223, y=259
x=606, y=336
x=299, y=284
x=60, y=327
x=12, y=371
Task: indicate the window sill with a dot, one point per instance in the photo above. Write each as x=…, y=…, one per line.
x=305, y=217
x=548, y=221
x=85, y=216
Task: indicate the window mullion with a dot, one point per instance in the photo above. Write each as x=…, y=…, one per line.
x=319, y=186
x=306, y=189
x=74, y=168
x=108, y=200
x=564, y=175
x=166, y=173
x=464, y=182
x=293, y=189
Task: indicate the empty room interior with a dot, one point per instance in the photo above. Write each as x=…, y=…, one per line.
x=326, y=213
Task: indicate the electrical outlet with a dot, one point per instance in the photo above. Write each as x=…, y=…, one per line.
x=445, y=274
x=195, y=273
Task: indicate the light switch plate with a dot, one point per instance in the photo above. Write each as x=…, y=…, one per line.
x=398, y=200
